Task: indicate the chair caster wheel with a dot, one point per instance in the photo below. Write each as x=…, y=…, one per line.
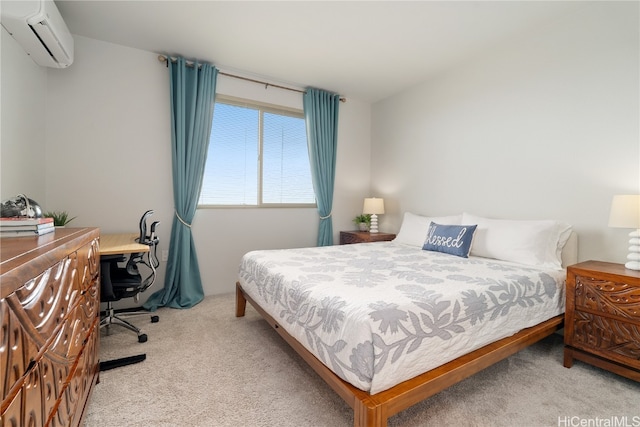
x=142, y=338
x=155, y=319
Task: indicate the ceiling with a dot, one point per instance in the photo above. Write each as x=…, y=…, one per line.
x=367, y=50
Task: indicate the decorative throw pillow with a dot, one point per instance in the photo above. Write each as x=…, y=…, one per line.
x=414, y=227
x=450, y=239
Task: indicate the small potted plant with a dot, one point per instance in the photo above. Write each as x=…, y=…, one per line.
x=363, y=222
x=60, y=218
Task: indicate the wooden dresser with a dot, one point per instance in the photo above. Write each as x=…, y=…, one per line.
x=602, y=317
x=50, y=310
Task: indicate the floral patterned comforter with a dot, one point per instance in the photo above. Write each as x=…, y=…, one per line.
x=380, y=313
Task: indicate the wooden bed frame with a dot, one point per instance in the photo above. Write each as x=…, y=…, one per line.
x=374, y=409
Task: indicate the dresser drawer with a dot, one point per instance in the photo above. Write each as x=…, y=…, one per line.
x=18, y=352
x=607, y=297
x=607, y=337
x=27, y=406
x=44, y=302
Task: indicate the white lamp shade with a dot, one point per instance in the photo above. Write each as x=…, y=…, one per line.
x=625, y=212
x=373, y=206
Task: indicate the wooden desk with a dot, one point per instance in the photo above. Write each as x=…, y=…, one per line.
x=123, y=243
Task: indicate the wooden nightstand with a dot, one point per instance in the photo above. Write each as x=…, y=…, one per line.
x=347, y=237
x=602, y=317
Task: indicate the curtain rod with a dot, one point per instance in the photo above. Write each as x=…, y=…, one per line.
x=163, y=58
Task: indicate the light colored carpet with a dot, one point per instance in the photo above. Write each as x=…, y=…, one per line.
x=205, y=367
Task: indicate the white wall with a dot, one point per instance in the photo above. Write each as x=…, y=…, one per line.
x=108, y=123
x=543, y=126
x=23, y=116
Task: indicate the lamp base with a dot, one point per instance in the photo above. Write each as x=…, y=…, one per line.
x=632, y=265
x=374, y=224
x=633, y=258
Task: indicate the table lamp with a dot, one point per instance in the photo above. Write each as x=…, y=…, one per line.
x=373, y=206
x=625, y=213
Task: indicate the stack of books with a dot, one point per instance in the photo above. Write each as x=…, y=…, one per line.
x=18, y=227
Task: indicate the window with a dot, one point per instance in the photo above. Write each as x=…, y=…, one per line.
x=257, y=157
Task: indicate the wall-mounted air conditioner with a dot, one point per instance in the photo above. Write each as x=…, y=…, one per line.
x=39, y=28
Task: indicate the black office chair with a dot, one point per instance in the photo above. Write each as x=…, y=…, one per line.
x=127, y=282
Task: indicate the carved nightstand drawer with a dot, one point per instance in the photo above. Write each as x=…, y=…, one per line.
x=602, y=317
x=607, y=297
x=607, y=337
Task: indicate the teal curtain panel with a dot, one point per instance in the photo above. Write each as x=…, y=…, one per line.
x=321, y=117
x=192, y=91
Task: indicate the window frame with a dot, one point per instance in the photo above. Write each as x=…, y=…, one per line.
x=262, y=108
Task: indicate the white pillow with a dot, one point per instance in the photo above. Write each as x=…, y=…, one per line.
x=536, y=243
x=415, y=227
